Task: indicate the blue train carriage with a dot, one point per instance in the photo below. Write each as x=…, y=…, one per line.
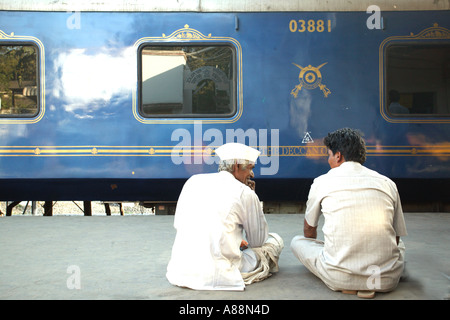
x=125, y=101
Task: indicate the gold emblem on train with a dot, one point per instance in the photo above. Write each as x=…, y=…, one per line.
x=310, y=78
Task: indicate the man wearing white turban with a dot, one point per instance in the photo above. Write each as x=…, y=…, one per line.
x=222, y=240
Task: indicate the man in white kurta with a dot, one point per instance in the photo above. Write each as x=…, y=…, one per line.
x=215, y=213
x=363, y=221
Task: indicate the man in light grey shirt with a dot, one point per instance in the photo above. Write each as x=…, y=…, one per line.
x=363, y=221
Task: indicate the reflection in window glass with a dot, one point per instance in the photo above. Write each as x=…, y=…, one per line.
x=418, y=79
x=187, y=81
x=18, y=81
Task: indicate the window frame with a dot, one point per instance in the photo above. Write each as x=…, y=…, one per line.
x=434, y=34
x=411, y=44
x=201, y=116
x=10, y=43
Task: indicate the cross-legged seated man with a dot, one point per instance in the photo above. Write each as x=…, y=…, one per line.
x=222, y=240
x=363, y=222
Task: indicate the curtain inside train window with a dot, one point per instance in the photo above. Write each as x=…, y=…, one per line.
x=418, y=79
x=187, y=81
x=18, y=80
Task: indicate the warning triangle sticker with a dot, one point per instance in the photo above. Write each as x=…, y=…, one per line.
x=307, y=138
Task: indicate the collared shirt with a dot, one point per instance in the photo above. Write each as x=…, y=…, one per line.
x=363, y=217
x=397, y=108
x=213, y=212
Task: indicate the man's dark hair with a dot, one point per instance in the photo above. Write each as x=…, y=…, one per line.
x=348, y=142
x=394, y=96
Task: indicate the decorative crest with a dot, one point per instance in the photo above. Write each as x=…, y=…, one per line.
x=310, y=78
x=434, y=32
x=187, y=33
x=4, y=35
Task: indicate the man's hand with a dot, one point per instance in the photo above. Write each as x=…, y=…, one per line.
x=244, y=245
x=308, y=231
x=251, y=184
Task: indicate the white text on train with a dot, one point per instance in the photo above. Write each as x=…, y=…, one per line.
x=191, y=150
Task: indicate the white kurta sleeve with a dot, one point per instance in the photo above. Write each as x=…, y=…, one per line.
x=253, y=219
x=313, y=205
x=399, y=220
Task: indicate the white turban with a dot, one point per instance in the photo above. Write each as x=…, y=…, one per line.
x=240, y=151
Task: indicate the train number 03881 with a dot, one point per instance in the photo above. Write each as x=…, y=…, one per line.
x=309, y=26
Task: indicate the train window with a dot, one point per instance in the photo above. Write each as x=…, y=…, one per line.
x=418, y=79
x=187, y=81
x=18, y=80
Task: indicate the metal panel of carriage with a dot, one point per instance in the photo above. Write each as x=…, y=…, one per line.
x=126, y=103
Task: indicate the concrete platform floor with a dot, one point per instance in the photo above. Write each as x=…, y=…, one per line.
x=125, y=257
